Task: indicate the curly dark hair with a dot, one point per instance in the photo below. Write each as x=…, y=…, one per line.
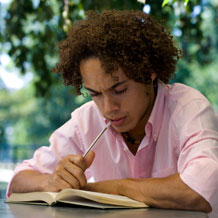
x=131, y=40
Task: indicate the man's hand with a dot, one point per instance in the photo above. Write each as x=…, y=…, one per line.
x=69, y=173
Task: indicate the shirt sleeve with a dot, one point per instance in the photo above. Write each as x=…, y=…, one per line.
x=197, y=127
x=64, y=141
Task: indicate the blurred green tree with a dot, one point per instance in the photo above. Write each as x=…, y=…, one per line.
x=33, y=28
x=29, y=119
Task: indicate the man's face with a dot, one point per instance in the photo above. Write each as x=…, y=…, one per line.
x=126, y=103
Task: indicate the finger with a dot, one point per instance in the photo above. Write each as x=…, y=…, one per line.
x=66, y=170
x=78, y=160
x=56, y=183
x=75, y=166
x=69, y=178
x=89, y=159
x=76, y=175
x=62, y=184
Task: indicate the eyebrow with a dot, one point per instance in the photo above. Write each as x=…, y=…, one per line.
x=111, y=88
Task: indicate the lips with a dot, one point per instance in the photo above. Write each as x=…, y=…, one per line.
x=117, y=122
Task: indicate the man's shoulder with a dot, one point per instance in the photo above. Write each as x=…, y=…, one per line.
x=89, y=105
x=83, y=117
x=180, y=95
x=87, y=113
x=179, y=90
x=86, y=109
x=183, y=98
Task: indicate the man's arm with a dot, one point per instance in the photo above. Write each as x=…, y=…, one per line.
x=69, y=173
x=170, y=192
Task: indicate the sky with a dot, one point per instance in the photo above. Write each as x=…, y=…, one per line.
x=12, y=78
x=5, y=1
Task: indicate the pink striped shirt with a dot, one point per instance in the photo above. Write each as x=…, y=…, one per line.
x=181, y=137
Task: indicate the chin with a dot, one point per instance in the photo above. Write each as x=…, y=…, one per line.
x=118, y=128
x=121, y=129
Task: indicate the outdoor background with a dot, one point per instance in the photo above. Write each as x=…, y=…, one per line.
x=33, y=100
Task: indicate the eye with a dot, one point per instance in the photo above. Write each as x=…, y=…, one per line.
x=120, y=92
x=94, y=94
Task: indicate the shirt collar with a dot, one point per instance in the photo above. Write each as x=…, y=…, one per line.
x=157, y=113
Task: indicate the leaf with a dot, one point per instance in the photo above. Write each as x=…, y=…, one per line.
x=186, y=2
x=142, y=1
x=165, y=2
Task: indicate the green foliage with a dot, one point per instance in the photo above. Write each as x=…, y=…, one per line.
x=165, y=2
x=33, y=29
x=33, y=119
x=32, y=32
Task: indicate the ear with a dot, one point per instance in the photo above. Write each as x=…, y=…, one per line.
x=153, y=76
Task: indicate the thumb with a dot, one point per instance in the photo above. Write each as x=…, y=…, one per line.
x=89, y=159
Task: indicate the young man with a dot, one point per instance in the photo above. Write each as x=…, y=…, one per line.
x=162, y=145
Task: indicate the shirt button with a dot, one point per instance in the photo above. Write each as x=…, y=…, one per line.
x=155, y=137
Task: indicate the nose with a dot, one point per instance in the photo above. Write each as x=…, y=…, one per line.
x=110, y=105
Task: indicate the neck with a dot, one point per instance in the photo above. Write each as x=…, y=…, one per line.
x=139, y=136
x=131, y=140
x=138, y=132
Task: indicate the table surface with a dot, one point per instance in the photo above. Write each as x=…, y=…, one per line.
x=24, y=211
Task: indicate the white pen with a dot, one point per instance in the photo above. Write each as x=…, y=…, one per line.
x=96, y=140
